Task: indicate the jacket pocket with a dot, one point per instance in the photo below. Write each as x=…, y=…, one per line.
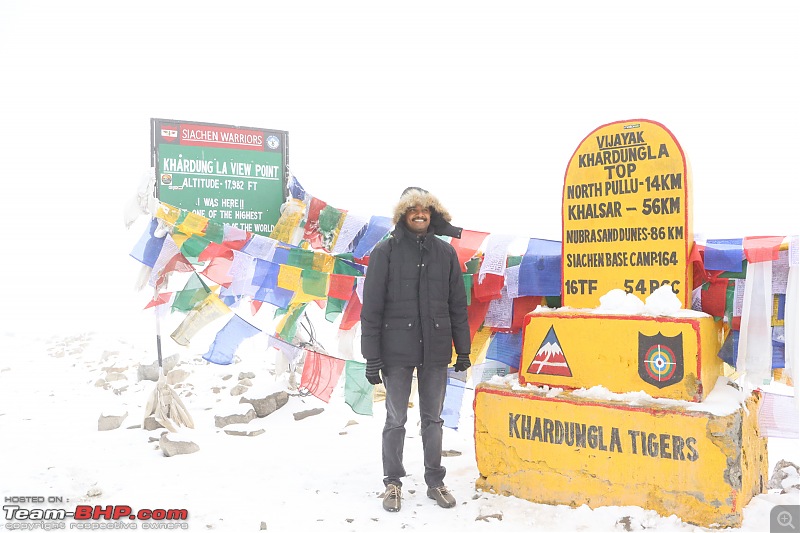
x=442, y=337
x=400, y=337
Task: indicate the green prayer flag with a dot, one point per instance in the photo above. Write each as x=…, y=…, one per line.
x=334, y=308
x=553, y=301
x=194, y=292
x=301, y=258
x=215, y=232
x=357, y=390
x=329, y=219
x=314, y=283
x=341, y=266
x=736, y=275
x=193, y=247
x=289, y=328
x=730, y=292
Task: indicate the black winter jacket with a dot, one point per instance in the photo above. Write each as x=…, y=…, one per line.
x=415, y=304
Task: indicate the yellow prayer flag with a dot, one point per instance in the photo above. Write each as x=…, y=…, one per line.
x=323, y=262
x=180, y=238
x=193, y=224
x=290, y=278
x=480, y=345
x=203, y=314
x=336, y=231
x=293, y=212
x=168, y=213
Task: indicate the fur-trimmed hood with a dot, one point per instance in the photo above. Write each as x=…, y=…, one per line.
x=440, y=217
x=414, y=196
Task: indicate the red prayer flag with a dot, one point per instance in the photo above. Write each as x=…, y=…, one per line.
x=713, y=298
x=476, y=313
x=217, y=270
x=352, y=312
x=341, y=286
x=759, y=249
x=215, y=250
x=321, y=374
x=467, y=245
x=237, y=244
x=699, y=275
x=522, y=306
x=177, y=263
x=489, y=289
x=311, y=232
x=159, y=299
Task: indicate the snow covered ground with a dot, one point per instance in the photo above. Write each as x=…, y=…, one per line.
x=318, y=473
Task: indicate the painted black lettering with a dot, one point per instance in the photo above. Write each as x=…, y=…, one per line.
x=652, y=444
x=537, y=430
x=548, y=430
x=580, y=435
x=559, y=436
x=525, y=428
x=663, y=443
x=615, y=442
x=693, y=454
x=677, y=448
x=633, y=433
x=513, y=430
x=569, y=434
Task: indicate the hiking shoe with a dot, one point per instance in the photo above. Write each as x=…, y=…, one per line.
x=442, y=497
x=391, y=498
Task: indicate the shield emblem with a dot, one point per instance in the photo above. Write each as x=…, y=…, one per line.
x=661, y=359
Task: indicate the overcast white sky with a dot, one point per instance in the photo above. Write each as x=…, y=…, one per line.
x=481, y=103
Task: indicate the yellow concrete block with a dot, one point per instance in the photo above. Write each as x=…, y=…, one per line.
x=666, y=357
x=568, y=450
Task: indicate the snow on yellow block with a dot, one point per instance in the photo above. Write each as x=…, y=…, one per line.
x=565, y=449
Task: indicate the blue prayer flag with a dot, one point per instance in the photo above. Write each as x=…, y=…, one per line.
x=506, y=348
x=453, y=398
x=266, y=278
x=296, y=190
x=778, y=354
x=724, y=254
x=540, y=269
x=149, y=246
x=377, y=229
x=228, y=340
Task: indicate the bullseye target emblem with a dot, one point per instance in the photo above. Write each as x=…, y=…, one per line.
x=661, y=359
x=659, y=363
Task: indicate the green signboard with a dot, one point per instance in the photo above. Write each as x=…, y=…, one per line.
x=229, y=174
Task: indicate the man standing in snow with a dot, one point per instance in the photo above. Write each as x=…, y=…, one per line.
x=414, y=312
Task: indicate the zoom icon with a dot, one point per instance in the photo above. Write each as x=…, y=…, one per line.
x=784, y=518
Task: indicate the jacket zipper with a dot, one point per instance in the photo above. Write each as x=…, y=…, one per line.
x=420, y=242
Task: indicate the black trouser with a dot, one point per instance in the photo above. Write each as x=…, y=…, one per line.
x=431, y=384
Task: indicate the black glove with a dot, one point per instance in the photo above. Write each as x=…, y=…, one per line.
x=373, y=371
x=462, y=362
